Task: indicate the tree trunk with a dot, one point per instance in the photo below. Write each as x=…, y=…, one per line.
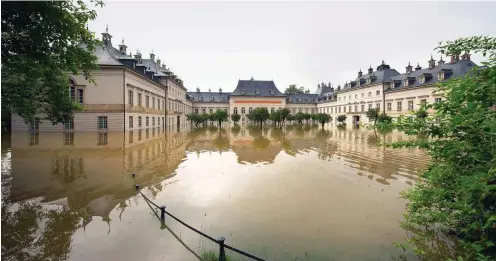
x=322, y=125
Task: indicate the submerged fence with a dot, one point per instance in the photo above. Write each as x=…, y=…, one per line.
x=220, y=241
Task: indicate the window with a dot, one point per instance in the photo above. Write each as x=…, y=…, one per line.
x=378, y=105
x=243, y=91
x=131, y=121
x=271, y=91
x=153, y=121
x=392, y=85
x=211, y=98
x=388, y=106
x=398, y=106
x=356, y=96
x=339, y=108
x=368, y=81
x=410, y=105
x=203, y=111
x=147, y=121
x=349, y=97
x=437, y=100
x=271, y=110
x=332, y=109
x=349, y=108
x=139, y=99
x=257, y=91
x=102, y=122
x=370, y=106
x=378, y=92
x=363, y=107
x=440, y=76
x=422, y=79
x=153, y=102
x=102, y=138
x=344, y=109
x=344, y=98
x=69, y=125
x=72, y=90
x=339, y=99
x=211, y=110
x=362, y=94
x=250, y=110
x=370, y=94
x=147, y=101
x=80, y=96
x=68, y=138
x=423, y=102
x=130, y=97
x=139, y=121
x=405, y=82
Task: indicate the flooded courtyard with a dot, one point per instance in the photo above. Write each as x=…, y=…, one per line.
x=300, y=193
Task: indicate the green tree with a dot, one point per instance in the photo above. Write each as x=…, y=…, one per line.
x=299, y=117
x=342, y=119
x=457, y=195
x=284, y=114
x=290, y=118
x=235, y=118
x=323, y=118
x=292, y=89
x=220, y=116
x=259, y=115
x=42, y=42
x=276, y=117
x=383, y=118
x=373, y=114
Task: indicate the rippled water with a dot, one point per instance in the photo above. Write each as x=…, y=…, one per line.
x=299, y=193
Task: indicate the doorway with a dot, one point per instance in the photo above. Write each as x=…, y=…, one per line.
x=356, y=120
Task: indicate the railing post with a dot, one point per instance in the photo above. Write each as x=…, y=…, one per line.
x=137, y=186
x=162, y=213
x=222, y=252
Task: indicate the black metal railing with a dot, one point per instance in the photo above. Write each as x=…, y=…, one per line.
x=220, y=241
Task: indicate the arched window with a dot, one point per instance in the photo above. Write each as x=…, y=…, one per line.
x=243, y=111
x=235, y=110
x=271, y=110
x=72, y=89
x=250, y=110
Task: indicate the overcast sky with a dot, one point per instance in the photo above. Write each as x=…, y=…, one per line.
x=214, y=44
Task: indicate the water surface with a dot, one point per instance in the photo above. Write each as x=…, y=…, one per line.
x=299, y=193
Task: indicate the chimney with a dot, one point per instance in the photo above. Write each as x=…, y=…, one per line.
x=454, y=59
x=466, y=56
x=408, y=68
x=106, y=37
x=152, y=56
x=418, y=68
x=158, y=61
x=122, y=47
x=360, y=73
x=441, y=61
x=220, y=90
x=432, y=63
x=370, y=69
x=197, y=89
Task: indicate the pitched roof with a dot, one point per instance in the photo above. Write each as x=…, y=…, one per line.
x=305, y=98
x=375, y=77
x=257, y=88
x=104, y=56
x=214, y=97
x=456, y=69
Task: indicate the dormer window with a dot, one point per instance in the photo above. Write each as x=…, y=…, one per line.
x=368, y=80
x=243, y=91
x=257, y=91
x=298, y=99
x=211, y=98
x=272, y=92
x=392, y=85
x=193, y=98
x=405, y=82
x=422, y=79
x=440, y=76
x=200, y=98
x=306, y=99
x=358, y=83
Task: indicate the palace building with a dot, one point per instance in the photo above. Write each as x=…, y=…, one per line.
x=385, y=88
x=131, y=92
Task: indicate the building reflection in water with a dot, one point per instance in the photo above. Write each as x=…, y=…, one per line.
x=84, y=173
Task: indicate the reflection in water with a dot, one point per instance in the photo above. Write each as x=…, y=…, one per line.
x=66, y=189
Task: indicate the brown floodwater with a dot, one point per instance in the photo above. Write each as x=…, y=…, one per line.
x=295, y=194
